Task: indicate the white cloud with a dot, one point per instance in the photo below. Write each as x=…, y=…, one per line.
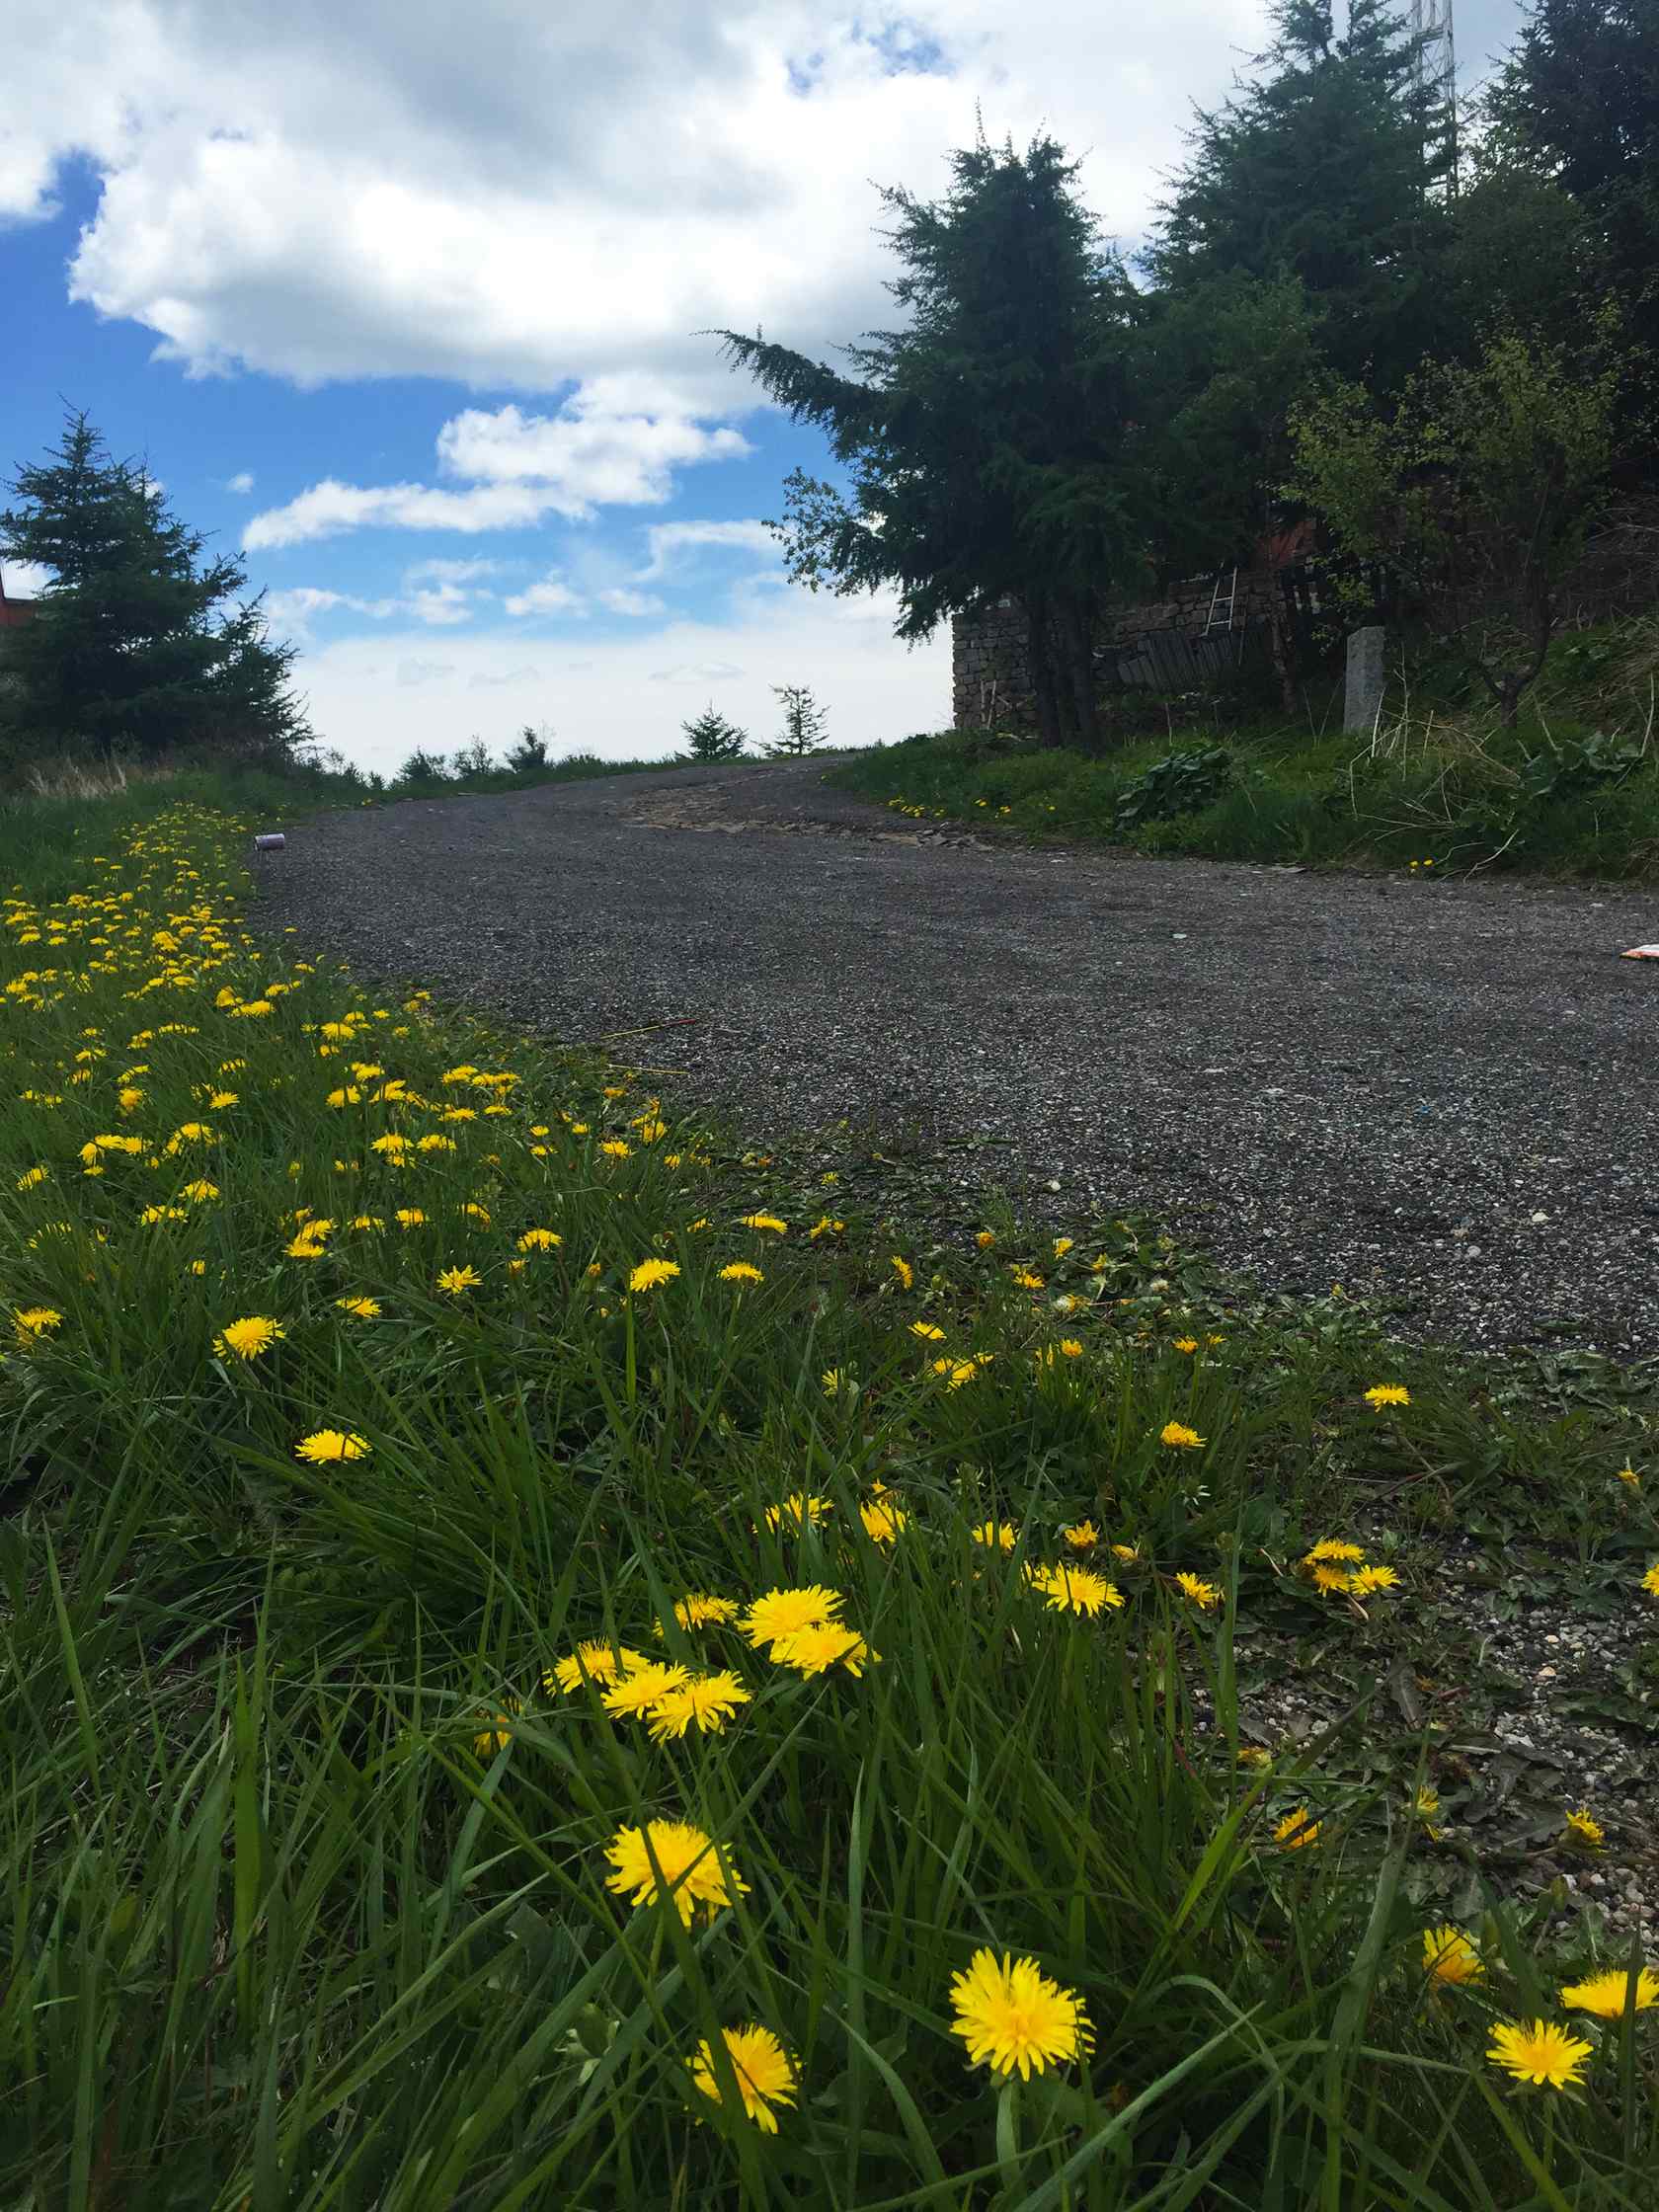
x=669, y=542
x=697, y=672
x=518, y=468
x=449, y=572
x=321, y=192
x=330, y=508
x=241, y=481
x=413, y=671
x=25, y=580
x=441, y=602
x=551, y=597
x=623, y=600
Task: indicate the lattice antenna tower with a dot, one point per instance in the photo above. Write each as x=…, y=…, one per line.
x=1437, y=73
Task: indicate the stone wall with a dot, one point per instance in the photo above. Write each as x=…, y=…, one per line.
x=990, y=687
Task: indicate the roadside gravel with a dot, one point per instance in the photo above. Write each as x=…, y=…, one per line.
x=1438, y=1093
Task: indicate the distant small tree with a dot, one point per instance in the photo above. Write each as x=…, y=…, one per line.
x=473, y=759
x=528, y=750
x=712, y=738
x=1476, y=493
x=422, y=768
x=803, y=724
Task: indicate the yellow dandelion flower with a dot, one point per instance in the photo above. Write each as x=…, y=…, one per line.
x=781, y=1613
x=1365, y=1582
x=1014, y=2018
x=1068, y=1589
x=984, y=1239
x=827, y=1643
x=539, y=1240
x=1587, y=1834
x=1607, y=1995
x=410, y=1217
x=765, y=2073
x=703, y=1701
x=1186, y=1344
x=324, y=1444
x=765, y=1221
x=1177, y=1433
x=36, y=1322
x=670, y=1858
x=697, y=1610
x=798, y=1509
x=1650, y=1580
x=740, y=1271
x=830, y=1381
x=1203, y=1595
x=1082, y=1536
x=1386, y=1393
x=361, y=1308
x=498, y=1728
x=1542, y=2054
x=637, y=1690
x=1449, y=1956
x=905, y=1272
x=459, y=1279
x=1297, y=1829
x=929, y=1331
x=650, y=1273
x=882, y=1521
x=247, y=1339
x=1327, y=1579
x=1025, y=1280
x=597, y=1661
x=1127, y=1551
x=1332, y=1547
x=1000, y=1536
x=1627, y=1474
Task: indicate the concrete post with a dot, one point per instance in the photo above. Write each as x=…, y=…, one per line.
x=1364, y=696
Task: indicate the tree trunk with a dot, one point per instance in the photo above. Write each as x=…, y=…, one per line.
x=1280, y=640
x=1040, y=667
x=1077, y=671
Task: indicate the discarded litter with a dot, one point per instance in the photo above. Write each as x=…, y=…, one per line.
x=272, y=840
x=1641, y=952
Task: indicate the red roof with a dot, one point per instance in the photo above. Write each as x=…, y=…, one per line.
x=14, y=613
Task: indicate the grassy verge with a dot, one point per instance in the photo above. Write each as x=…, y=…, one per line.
x=385, y=1397
x=1574, y=791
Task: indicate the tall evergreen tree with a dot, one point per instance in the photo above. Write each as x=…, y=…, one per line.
x=1577, y=106
x=131, y=647
x=988, y=441
x=1326, y=168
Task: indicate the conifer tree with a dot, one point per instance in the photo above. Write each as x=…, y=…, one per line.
x=131, y=648
x=712, y=738
x=803, y=724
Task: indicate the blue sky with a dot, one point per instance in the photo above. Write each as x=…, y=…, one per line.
x=400, y=301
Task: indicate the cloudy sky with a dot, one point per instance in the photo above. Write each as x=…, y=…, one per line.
x=400, y=299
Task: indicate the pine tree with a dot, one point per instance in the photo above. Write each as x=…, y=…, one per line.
x=1325, y=168
x=988, y=440
x=131, y=648
x=803, y=724
x=712, y=738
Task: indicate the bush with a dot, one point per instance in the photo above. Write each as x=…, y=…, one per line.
x=1180, y=783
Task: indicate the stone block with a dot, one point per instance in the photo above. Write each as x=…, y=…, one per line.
x=1363, y=697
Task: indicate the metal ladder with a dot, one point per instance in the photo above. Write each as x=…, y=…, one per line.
x=1216, y=603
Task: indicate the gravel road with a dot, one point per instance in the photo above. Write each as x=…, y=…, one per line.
x=1440, y=1092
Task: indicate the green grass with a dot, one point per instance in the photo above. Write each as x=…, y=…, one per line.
x=302, y=1865
x=1572, y=792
